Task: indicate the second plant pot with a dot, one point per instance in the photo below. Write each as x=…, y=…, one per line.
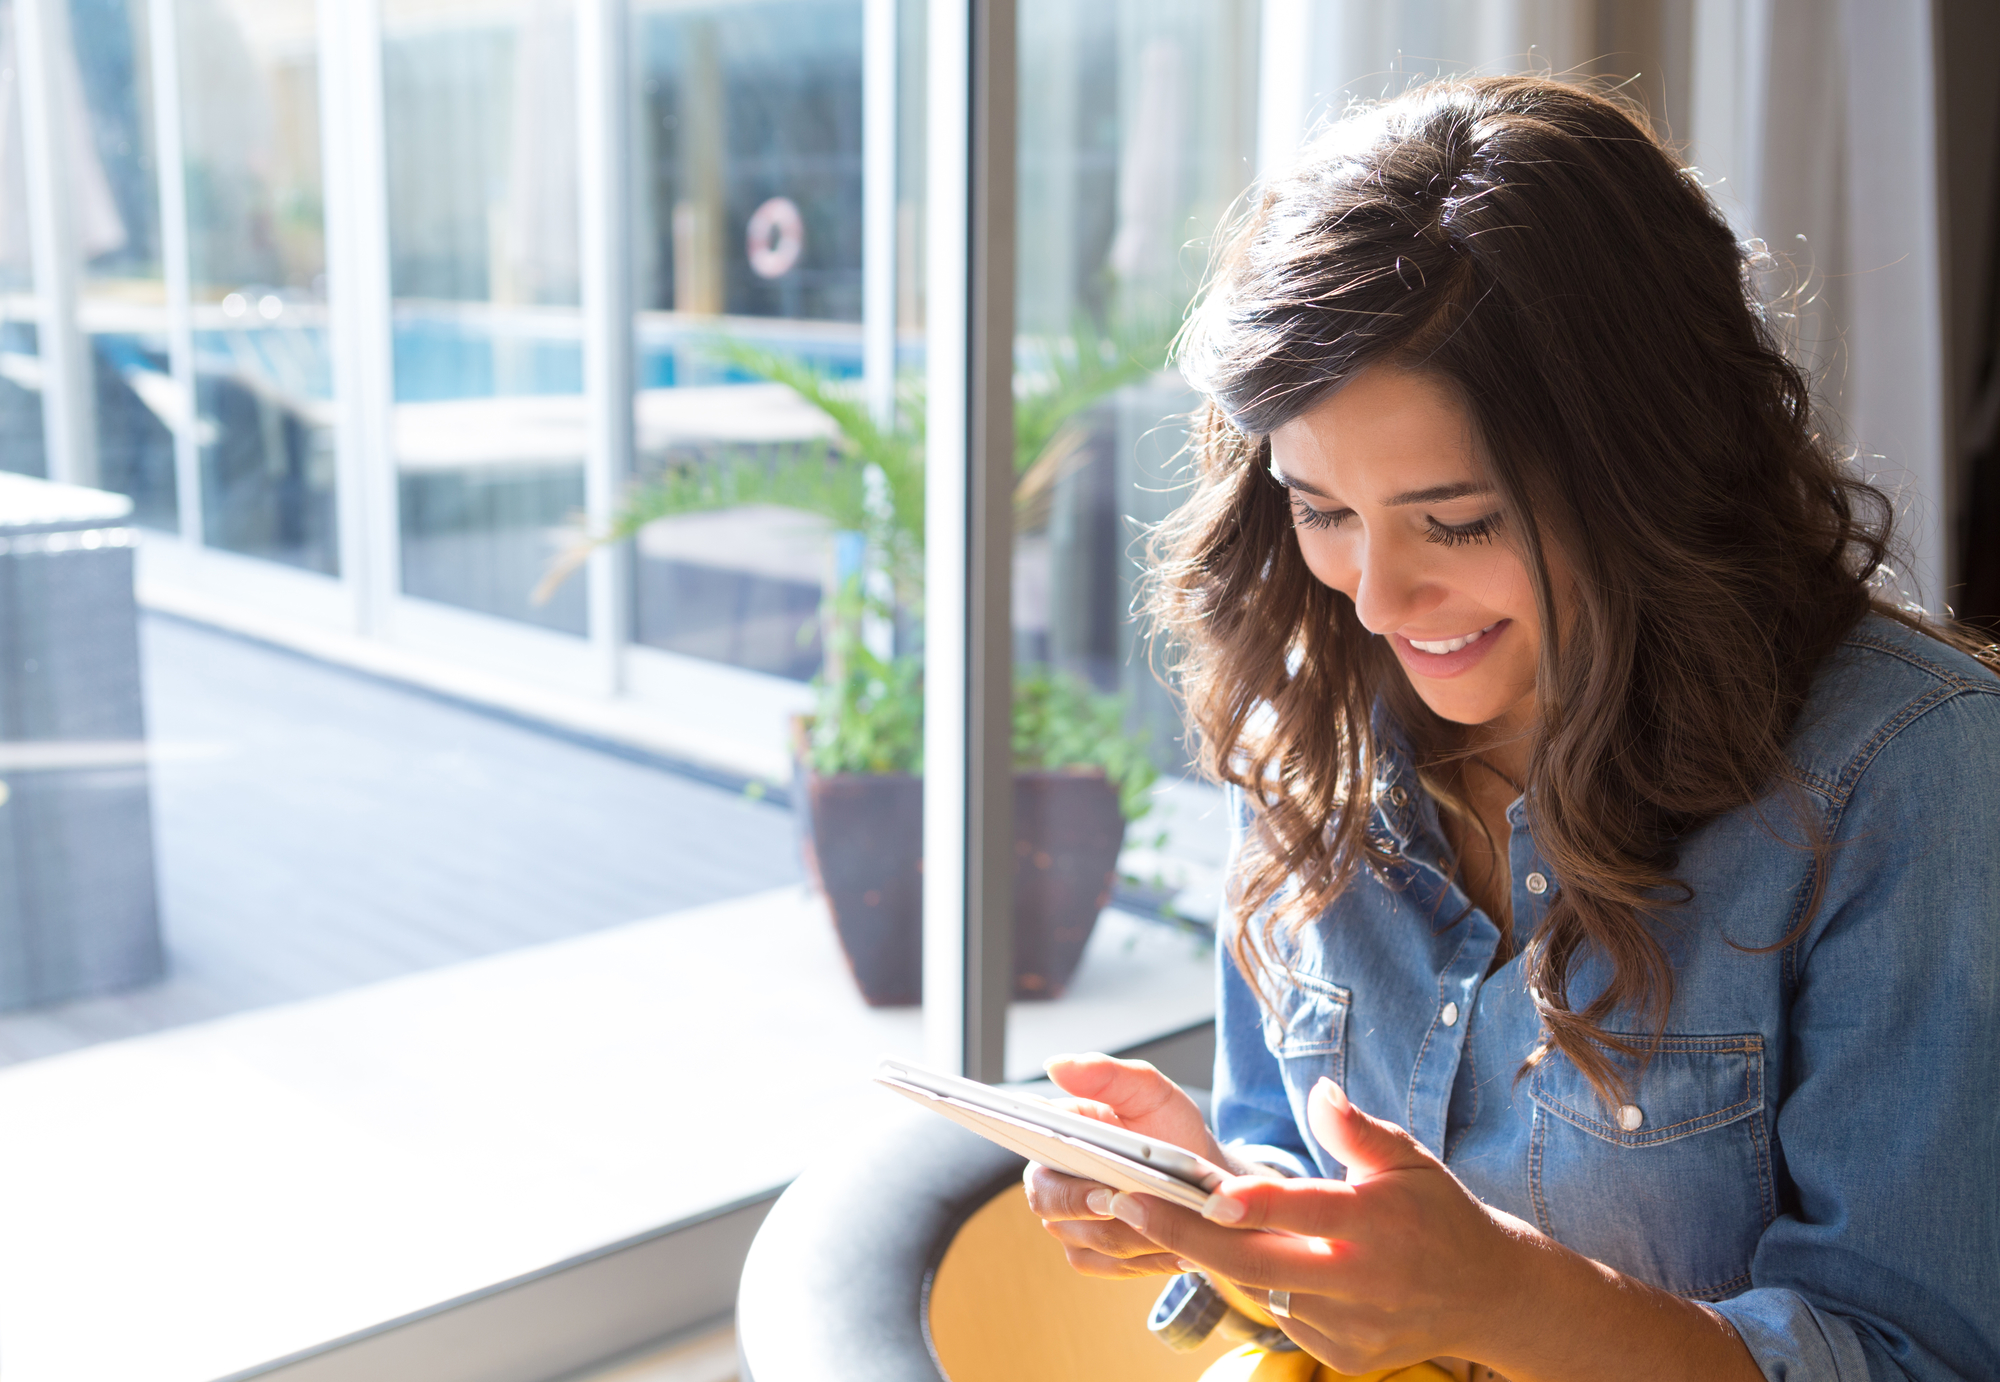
x=862, y=837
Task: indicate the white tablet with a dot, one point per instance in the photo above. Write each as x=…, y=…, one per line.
x=1068, y=1142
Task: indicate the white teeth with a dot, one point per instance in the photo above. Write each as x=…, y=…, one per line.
x=1451, y=645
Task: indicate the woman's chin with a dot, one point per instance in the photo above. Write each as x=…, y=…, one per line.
x=1466, y=705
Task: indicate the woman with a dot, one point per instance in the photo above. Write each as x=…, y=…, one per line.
x=1611, y=976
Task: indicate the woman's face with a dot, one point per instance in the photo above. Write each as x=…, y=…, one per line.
x=1393, y=510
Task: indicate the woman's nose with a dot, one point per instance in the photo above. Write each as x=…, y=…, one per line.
x=1389, y=589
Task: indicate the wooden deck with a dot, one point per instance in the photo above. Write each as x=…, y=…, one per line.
x=318, y=830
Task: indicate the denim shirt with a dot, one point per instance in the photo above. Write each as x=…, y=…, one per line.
x=1815, y=1147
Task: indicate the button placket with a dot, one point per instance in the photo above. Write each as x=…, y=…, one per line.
x=1432, y=1081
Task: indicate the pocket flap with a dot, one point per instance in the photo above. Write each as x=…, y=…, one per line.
x=1312, y=1016
x=1692, y=1084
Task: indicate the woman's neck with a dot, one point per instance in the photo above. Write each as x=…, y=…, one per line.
x=1503, y=746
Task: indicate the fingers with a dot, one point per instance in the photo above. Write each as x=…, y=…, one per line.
x=1132, y=1088
x=1366, y=1146
x=1090, y=1108
x=1077, y=1213
x=1314, y=1208
x=1333, y=1349
x=1053, y=1195
x=1087, y=1263
x=1107, y=1238
x=1263, y=1260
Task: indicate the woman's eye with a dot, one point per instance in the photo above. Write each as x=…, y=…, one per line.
x=1306, y=516
x=1455, y=535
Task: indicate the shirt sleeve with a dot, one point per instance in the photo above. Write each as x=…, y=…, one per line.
x=1253, y=1114
x=1886, y=1263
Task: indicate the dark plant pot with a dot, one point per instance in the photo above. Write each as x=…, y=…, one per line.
x=862, y=838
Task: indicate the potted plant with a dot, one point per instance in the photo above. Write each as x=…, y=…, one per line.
x=1079, y=778
x=1080, y=775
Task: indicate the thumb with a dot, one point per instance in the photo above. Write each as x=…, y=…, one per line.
x=1366, y=1146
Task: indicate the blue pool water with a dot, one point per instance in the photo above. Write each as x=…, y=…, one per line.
x=445, y=357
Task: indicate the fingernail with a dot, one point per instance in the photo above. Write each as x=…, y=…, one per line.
x=1127, y=1208
x=1054, y=1061
x=1099, y=1201
x=1188, y=1266
x=1223, y=1210
x=1332, y=1092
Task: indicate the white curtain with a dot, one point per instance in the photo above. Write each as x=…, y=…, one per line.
x=1815, y=123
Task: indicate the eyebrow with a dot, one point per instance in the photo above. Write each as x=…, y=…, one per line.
x=1436, y=494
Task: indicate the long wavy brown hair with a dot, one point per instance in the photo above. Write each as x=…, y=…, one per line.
x=1537, y=246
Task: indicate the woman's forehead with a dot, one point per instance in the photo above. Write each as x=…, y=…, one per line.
x=1389, y=435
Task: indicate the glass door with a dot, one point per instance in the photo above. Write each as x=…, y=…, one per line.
x=21, y=448
x=1136, y=133
x=489, y=427
x=250, y=126
x=102, y=93
x=747, y=237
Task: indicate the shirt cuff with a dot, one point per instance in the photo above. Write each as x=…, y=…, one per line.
x=1285, y=1163
x=1791, y=1340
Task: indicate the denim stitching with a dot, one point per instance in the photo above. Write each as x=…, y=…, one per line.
x=1538, y=1125
x=1687, y=1127
x=1727, y=1288
x=1410, y=1095
x=1788, y=966
x=1864, y=757
x=1887, y=730
x=1950, y=685
x=1752, y=1046
x=1472, y=1068
x=1956, y=680
x=1760, y=1144
x=1341, y=999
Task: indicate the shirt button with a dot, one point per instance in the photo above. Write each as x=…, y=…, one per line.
x=1631, y=1117
x=1537, y=884
x=1450, y=1015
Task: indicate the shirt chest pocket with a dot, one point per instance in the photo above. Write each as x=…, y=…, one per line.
x=1308, y=1030
x=1673, y=1186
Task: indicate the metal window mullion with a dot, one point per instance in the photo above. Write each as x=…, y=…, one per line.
x=968, y=750
x=69, y=437
x=605, y=241
x=360, y=339
x=176, y=268
x=878, y=206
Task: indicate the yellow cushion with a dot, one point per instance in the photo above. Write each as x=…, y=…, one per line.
x=1005, y=1306
x=1252, y=1364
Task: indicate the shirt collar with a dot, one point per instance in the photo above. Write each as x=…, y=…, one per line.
x=1403, y=809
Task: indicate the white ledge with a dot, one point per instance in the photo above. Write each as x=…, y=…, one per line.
x=188, y=1205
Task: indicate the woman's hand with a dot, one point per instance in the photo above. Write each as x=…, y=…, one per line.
x=1395, y=1265
x=1400, y=1263
x=1127, y=1094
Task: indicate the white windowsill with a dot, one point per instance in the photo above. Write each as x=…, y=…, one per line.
x=183, y=1206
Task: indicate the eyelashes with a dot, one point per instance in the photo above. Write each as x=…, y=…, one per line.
x=1443, y=534
x=1306, y=516
x=1478, y=530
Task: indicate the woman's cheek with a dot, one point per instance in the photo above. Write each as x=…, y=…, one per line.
x=1500, y=582
x=1326, y=561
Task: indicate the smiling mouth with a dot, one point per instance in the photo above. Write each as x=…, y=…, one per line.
x=1441, y=646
